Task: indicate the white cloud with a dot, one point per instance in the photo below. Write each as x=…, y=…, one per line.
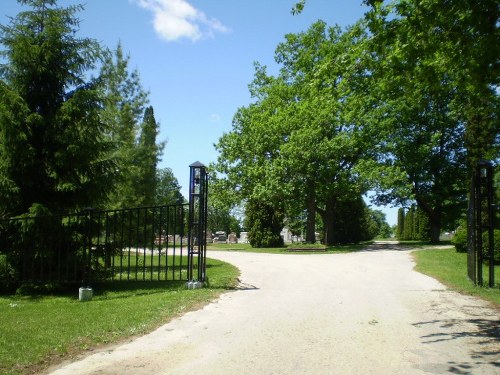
x=177, y=19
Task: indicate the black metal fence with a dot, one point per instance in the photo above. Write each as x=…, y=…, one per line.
x=480, y=241
x=146, y=243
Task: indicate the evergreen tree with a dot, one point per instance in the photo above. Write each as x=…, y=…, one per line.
x=124, y=108
x=408, y=226
x=423, y=229
x=147, y=157
x=264, y=223
x=351, y=221
x=401, y=224
x=53, y=150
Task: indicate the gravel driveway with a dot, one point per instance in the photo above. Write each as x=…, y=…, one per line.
x=357, y=313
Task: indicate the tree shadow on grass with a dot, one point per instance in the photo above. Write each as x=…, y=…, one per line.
x=402, y=246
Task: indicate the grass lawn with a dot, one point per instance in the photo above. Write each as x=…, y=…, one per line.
x=37, y=331
x=450, y=267
x=289, y=249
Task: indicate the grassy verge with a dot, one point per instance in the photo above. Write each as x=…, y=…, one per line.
x=450, y=267
x=38, y=331
x=288, y=249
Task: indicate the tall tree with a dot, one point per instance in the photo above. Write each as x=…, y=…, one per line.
x=421, y=106
x=147, y=157
x=264, y=221
x=436, y=68
x=53, y=146
x=168, y=190
x=124, y=109
x=401, y=223
x=222, y=219
x=301, y=140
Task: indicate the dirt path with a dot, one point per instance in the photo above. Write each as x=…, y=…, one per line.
x=357, y=313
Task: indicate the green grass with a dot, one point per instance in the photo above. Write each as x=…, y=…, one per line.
x=450, y=267
x=146, y=266
x=38, y=331
x=288, y=249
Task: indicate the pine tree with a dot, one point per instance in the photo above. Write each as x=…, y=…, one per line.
x=401, y=224
x=124, y=107
x=264, y=223
x=408, y=226
x=53, y=150
x=423, y=231
x=148, y=156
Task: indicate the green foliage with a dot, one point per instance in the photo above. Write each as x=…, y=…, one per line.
x=377, y=224
x=352, y=222
x=264, y=223
x=53, y=144
x=422, y=226
x=408, y=233
x=302, y=139
x=459, y=240
x=435, y=83
x=413, y=225
x=496, y=245
x=400, y=225
x=220, y=218
x=147, y=157
x=168, y=190
x=133, y=130
x=137, y=150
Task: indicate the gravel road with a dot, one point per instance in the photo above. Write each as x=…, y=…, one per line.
x=358, y=313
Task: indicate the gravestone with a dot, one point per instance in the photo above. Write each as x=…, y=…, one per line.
x=243, y=237
x=232, y=238
x=209, y=237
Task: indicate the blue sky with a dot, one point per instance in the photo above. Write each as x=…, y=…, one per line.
x=196, y=58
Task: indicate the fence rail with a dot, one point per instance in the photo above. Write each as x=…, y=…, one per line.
x=146, y=243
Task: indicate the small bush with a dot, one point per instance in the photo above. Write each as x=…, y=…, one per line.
x=496, y=245
x=459, y=240
x=264, y=222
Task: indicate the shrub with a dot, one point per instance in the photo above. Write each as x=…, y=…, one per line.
x=459, y=240
x=496, y=245
x=264, y=222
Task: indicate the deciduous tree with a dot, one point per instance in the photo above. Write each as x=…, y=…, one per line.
x=301, y=140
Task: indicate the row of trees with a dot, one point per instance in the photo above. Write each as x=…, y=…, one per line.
x=413, y=224
x=404, y=103
x=68, y=140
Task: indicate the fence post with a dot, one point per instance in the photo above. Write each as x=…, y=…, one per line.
x=198, y=193
x=85, y=292
x=480, y=221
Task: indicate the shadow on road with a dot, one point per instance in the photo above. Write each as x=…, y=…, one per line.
x=486, y=331
x=384, y=246
x=396, y=246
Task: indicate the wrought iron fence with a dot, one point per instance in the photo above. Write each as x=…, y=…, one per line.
x=146, y=243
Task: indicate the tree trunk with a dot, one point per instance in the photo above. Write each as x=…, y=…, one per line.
x=434, y=215
x=435, y=223
x=311, y=220
x=328, y=222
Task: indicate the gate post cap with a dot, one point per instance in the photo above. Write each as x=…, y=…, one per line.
x=197, y=164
